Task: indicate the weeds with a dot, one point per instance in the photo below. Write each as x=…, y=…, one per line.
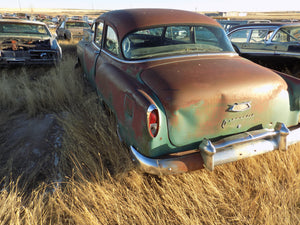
x=100, y=185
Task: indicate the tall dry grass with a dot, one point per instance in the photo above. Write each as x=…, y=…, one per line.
x=38, y=90
x=101, y=186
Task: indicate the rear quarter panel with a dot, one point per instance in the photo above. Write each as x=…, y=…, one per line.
x=129, y=100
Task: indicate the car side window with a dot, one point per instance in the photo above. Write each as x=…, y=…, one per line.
x=240, y=36
x=289, y=34
x=258, y=36
x=111, y=42
x=280, y=37
x=99, y=34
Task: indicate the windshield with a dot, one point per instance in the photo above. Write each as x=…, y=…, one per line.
x=174, y=40
x=21, y=28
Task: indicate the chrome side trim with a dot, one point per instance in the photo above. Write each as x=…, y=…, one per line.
x=227, y=150
x=169, y=57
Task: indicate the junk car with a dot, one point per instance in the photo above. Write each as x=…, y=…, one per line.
x=71, y=29
x=187, y=103
x=27, y=43
x=273, y=44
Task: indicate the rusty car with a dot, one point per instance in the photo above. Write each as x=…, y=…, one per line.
x=71, y=29
x=276, y=45
x=27, y=43
x=189, y=101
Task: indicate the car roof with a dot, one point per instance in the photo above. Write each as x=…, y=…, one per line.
x=128, y=20
x=21, y=21
x=267, y=25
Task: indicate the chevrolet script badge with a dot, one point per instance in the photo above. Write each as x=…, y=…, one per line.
x=239, y=107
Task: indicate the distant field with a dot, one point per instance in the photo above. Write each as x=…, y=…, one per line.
x=294, y=15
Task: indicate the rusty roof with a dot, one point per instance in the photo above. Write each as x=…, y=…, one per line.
x=128, y=20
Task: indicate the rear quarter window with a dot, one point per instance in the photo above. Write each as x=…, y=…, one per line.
x=111, y=41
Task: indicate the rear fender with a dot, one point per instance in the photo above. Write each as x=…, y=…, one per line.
x=121, y=93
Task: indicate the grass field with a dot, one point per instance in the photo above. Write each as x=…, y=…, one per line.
x=100, y=184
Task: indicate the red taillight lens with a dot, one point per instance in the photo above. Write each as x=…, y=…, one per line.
x=153, y=120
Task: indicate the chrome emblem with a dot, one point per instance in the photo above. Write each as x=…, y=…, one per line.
x=239, y=107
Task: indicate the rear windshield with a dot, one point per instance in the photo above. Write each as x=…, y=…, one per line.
x=175, y=40
x=77, y=24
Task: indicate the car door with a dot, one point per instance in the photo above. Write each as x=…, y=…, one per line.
x=92, y=51
x=286, y=44
x=258, y=44
x=60, y=30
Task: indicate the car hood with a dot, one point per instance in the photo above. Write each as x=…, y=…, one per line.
x=207, y=97
x=28, y=42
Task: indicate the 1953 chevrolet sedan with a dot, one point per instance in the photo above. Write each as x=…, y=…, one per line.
x=182, y=98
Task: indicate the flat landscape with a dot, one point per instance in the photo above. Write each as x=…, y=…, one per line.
x=62, y=163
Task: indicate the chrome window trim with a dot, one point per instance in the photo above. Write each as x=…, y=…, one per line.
x=96, y=46
x=167, y=57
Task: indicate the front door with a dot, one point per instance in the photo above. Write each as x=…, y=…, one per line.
x=92, y=51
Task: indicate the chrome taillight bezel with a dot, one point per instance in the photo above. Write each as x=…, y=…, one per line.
x=150, y=109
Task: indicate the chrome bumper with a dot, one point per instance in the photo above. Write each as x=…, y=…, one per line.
x=211, y=154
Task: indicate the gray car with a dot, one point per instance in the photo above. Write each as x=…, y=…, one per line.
x=71, y=29
x=274, y=44
x=27, y=43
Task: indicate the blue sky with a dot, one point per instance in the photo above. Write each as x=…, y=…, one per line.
x=192, y=5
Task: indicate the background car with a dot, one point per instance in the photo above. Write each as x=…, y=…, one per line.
x=230, y=24
x=71, y=29
x=186, y=103
x=27, y=43
x=276, y=45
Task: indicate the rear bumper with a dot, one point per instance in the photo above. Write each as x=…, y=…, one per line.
x=210, y=154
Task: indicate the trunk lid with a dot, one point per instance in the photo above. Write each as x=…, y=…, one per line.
x=209, y=97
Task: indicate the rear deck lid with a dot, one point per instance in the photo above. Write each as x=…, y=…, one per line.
x=215, y=96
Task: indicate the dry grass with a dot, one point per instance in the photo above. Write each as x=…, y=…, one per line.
x=102, y=187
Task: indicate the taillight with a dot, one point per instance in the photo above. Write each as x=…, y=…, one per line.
x=153, y=120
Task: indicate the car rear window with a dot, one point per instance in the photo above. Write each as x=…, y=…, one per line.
x=175, y=40
x=76, y=24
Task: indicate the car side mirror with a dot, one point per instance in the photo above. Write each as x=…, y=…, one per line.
x=88, y=35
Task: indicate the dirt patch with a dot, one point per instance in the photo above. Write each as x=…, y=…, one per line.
x=29, y=149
